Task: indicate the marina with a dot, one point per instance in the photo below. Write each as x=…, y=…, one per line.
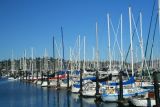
x=68, y=70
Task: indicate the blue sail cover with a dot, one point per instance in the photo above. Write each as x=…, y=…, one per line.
x=89, y=78
x=130, y=81
x=76, y=72
x=77, y=85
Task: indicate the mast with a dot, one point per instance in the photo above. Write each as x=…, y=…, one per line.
x=40, y=66
x=131, y=49
x=12, y=64
x=32, y=63
x=24, y=63
x=84, y=66
x=20, y=62
x=97, y=53
x=93, y=57
x=149, y=30
x=54, y=56
x=45, y=60
x=62, y=49
x=64, y=65
x=46, y=65
x=97, y=66
x=79, y=52
x=70, y=52
x=109, y=42
x=121, y=45
x=141, y=40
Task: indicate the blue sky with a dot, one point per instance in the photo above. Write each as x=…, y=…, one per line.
x=32, y=23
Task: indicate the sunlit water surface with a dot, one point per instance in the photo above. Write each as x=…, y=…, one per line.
x=21, y=94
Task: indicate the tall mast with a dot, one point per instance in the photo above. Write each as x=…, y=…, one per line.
x=121, y=44
x=97, y=53
x=12, y=63
x=40, y=66
x=45, y=60
x=97, y=67
x=93, y=57
x=62, y=49
x=141, y=40
x=24, y=62
x=84, y=66
x=130, y=23
x=109, y=42
x=79, y=53
x=32, y=62
x=20, y=63
x=70, y=52
x=54, y=56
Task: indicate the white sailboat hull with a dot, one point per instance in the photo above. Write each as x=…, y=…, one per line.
x=110, y=98
x=64, y=85
x=53, y=83
x=89, y=93
x=39, y=82
x=75, y=89
x=126, y=94
x=44, y=84
x=142, y=102
x=11, y=79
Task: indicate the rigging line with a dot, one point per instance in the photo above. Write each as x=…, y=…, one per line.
x=136, y=29
x=64, y=67
x=153, y=39
x=132, y=39
x=149, y=31
x=151, y=49
x=115, y=33
x=58, y=50
x=54, y=60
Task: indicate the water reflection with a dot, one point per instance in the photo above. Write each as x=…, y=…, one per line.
x=17, y=94
x=48, y=97
x=57, y=98
x=81, y=102
x=68, y=99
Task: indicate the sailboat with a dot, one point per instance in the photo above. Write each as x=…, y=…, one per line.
x=90, y=87
x=110, y=93
x=87, y=78
x=12, y=75
x=45, y=82
x=149, y=100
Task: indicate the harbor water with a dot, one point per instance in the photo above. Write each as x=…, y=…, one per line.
x=22, y=94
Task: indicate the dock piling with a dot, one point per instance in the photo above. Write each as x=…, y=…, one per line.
x=67, y=79
x=81, y=82
x=120, y=97
x=156, y=88
x=47, y=77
